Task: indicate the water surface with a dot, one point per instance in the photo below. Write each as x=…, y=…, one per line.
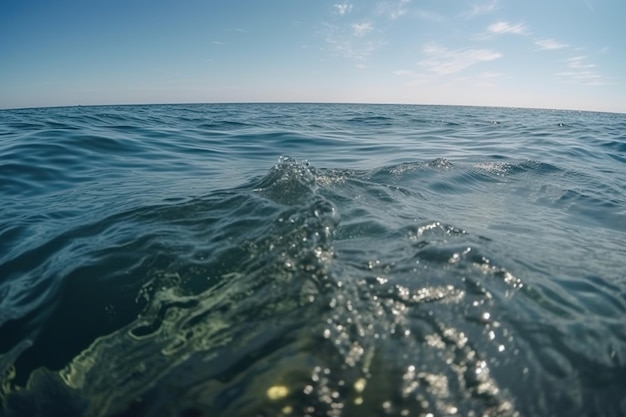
x=321, y=260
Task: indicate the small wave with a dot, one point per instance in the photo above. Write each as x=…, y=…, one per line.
x=371, y=120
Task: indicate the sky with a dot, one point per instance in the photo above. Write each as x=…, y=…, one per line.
x=563, y=54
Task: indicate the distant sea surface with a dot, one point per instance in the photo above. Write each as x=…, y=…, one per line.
x=312, y=260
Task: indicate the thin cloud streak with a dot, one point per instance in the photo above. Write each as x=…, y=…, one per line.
x=418, y=79
x=488, y=78
x=581, y=72
x=445, y=61
x=481, y=9
x=582, y=77
x=503, y=27
x=578, y=62
x=484, y=79
x=428, y=15
x=549, y=44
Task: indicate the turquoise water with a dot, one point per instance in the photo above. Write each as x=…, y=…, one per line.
x=321, y=260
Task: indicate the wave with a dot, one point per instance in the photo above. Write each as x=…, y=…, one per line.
x=319, y=291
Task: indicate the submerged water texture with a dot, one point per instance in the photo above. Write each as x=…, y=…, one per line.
x=320, y=260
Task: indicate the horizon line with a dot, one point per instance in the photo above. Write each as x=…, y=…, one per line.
x=305, y=103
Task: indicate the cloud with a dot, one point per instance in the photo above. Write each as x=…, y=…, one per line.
x=548, y=44
x=415, y=79
x=487, y=79
x=444, y=61
x=357, y=40
x=481, y=80
x=351, y=42
x=582, y=77
x=342, y=9
x=428, y=15
x=484, y=8
x=578, y=62
x=581, y=72
x=361, y=29
x=393, y=9
x=503, y=27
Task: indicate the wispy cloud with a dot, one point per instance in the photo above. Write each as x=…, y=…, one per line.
x=548, y=44
x=351, y=42
x=356, y=39
x=481, y=80
x=444, y=61
x=483, y=8
x=581, y=72
x=502, y=27
x=416, y=78
x=487, y=79
x=342, y=9
x=579, y=62
x=361, y=29
x=582, y=77
x=393, y=9
x=427, y=15
x=402, y=73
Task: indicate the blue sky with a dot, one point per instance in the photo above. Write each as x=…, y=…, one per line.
x=533, y=53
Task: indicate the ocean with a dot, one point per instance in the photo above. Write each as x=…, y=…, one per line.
x=312, y=260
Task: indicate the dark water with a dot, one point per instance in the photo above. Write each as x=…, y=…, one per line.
x=401, y=261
